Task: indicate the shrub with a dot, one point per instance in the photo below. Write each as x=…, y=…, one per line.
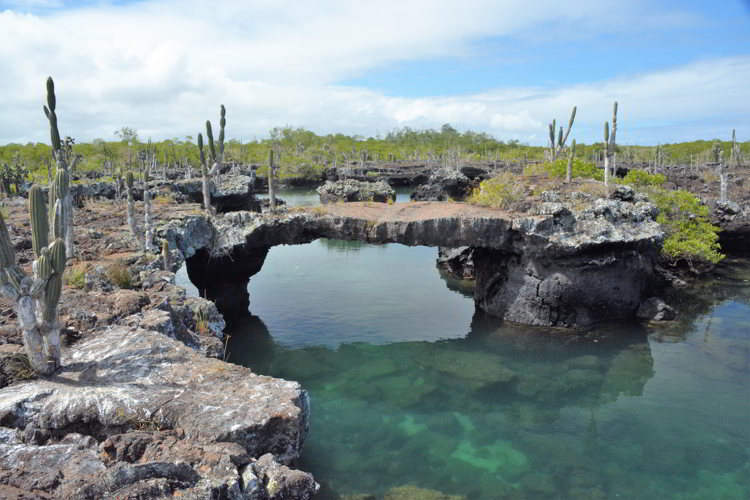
x=499, y=192
x=641, y=178
x=690, y=237
x=164, y=199
x=75, y=277
x=559, y=168
x=119, y=274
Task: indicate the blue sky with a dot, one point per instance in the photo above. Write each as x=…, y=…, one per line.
x=678, y=69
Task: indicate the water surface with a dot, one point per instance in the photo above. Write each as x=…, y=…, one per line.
x=410, y=386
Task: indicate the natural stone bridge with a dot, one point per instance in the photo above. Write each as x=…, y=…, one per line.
x=552, y=266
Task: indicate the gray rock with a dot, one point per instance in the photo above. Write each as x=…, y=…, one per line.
x=623, y=193
x=655, y=309
x=728, y=207
x=352, y=190
x=458, y=262
x=588, y=265
x=444, y=184
x=125, y=378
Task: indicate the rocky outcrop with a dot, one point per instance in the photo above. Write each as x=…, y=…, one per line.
x=443, y=185
x=134, y=414
x=229, y=193
x=395, y=174
x=351, y=190
x=734, y=221
x=457, y=262
x=568, y=262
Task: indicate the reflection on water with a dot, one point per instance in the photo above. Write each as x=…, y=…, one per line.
x=409, y=386
x=305, y=196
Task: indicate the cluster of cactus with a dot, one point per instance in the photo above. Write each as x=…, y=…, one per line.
x=609, y=144
x=14, y=174
x=717, y=152
x=36, y=297
x=210, y=165
x=555, y=148
x=62, y=156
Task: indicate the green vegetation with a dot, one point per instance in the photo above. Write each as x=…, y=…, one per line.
x=641, y=178
x=119, y=274
x=558, y=169
x=499, y=192
x=305, y=155
x=690, y=237
x=75, y=277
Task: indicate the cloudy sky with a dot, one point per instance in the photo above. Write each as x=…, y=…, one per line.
x=679, y=69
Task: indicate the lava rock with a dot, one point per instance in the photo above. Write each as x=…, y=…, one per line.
x=352, y=190
x=442, y=185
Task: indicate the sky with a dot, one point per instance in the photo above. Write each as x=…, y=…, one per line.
x=678, y=69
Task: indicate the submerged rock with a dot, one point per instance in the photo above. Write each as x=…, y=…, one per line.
x=352, y=190
x=655, y=309
x=410, y=492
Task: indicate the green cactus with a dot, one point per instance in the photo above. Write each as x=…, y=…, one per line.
x=210, y=137
x=211, y=165
x=609, y=145
x=49, y=110
x=39, y=220
x=569, y=172
x=556, y=147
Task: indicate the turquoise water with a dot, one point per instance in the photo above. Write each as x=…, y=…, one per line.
x=410, y=386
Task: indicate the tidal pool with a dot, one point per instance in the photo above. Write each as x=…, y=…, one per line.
x=410, y=386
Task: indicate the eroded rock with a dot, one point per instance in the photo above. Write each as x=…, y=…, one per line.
x=352, y=190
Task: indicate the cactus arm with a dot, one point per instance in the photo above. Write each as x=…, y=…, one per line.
x=211, y=145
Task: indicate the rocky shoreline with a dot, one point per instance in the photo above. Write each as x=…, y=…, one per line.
x=142, y=407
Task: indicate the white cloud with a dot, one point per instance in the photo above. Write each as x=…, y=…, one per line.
x=163, y=67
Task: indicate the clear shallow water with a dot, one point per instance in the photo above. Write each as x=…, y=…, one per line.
x=409, y=386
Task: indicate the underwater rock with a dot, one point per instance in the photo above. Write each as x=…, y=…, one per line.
x=499, y=458
x=628, y=372
x=475, y=368
x=655, y=309
x=411, y=492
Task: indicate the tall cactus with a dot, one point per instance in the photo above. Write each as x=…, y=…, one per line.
x=210, y=165
x=609, y=144
x=556, y=147
x=131, y=206
x=569, y=172
x=58, y=152
x=271, y=180
x=36, y=298
x=148, y=228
